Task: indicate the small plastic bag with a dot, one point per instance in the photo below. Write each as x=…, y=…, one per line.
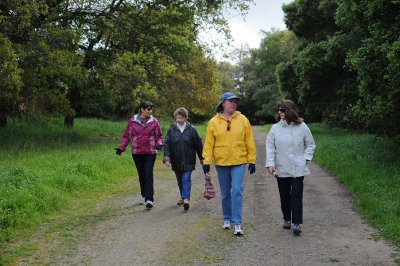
x=209, y=192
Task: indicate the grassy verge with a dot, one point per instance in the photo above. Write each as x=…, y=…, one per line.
x=52, y=179
x=53, y=175
x=369, y=166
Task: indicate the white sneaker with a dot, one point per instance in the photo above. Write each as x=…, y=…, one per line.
x=149, y=204
x=226, y=225
x=142, y=201
x=237, y=230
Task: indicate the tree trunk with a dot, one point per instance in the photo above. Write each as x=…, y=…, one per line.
x=3, y=120
x=68, y=121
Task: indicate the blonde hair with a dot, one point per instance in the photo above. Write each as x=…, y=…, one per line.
x=182, y=112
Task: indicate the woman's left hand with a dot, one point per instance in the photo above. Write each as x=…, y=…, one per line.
x=252, y=168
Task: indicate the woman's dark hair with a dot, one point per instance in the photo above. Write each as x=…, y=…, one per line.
x=291, y=112
x=144, y=105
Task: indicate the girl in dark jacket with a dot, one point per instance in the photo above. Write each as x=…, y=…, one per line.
x=180, y=147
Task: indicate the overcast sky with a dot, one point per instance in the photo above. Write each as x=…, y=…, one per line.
x=264, y=15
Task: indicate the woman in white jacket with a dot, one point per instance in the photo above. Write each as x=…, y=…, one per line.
x=290, y=145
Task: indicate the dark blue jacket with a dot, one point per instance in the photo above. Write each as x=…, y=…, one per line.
x=180, y=148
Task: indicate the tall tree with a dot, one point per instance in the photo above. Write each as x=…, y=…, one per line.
x=376, y=25
x=10, y=80
x=257, y=81
x=311, y=19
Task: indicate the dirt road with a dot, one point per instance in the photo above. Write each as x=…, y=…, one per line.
x=166, y=235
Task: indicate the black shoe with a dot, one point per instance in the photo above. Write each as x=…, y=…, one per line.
x=149, y=204
x=287, y=224
x=186, y=204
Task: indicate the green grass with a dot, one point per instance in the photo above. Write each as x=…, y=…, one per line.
x=48, y=172
x=369, y=166
x=50, y=175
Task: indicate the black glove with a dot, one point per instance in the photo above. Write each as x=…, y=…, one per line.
x=252, y=168
x=159, y=147
x=206, y=168
x=118, y=151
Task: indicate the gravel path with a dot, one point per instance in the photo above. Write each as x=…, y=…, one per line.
x=333, y=233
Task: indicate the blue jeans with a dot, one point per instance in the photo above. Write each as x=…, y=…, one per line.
x=184, y=183
x=231, y=185
x=291, y=194
x=144, y=166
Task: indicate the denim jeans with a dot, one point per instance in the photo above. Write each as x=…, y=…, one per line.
x=184, y=183
x=231, y=185
x=144, y=166
x=291, y=193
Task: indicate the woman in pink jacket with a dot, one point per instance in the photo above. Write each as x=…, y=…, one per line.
x=144, y=133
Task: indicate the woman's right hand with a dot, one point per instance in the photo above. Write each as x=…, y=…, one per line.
x=118, y=151
x=271, y=170
x=206, y=168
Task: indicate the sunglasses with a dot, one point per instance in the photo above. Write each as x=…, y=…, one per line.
x=149, y=109
x=229, y=125
x=282, y=110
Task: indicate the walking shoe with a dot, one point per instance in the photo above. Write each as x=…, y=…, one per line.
x=142, y=201
x=149, y=204
x=296, y=229
x=226, y=225
x=237, y=230
x=287, y=224
x=186, y=204
x=180, y=202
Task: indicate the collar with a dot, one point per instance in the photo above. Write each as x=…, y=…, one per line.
x=284, y=123
x=136, y=118
x=235, y=114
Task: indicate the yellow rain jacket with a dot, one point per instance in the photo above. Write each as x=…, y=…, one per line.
x=229, y=147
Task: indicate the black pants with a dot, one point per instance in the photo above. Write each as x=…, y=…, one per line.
x=144, y=166
x=291, y=193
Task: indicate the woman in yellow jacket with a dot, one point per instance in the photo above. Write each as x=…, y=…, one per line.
x=230, y=141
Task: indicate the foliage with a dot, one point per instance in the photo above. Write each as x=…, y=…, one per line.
x=194, y=85
x=255, y=75
x=311, y=19
x=10, y=80
x=100, y=58
x=226, y=76
x=347, y=65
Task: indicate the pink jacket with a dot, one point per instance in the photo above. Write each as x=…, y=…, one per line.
x=143, y=137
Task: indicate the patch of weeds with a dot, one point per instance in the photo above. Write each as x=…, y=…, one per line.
x=207, y=244
x=397, y=261
x=333, y=260
x=376, y=236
